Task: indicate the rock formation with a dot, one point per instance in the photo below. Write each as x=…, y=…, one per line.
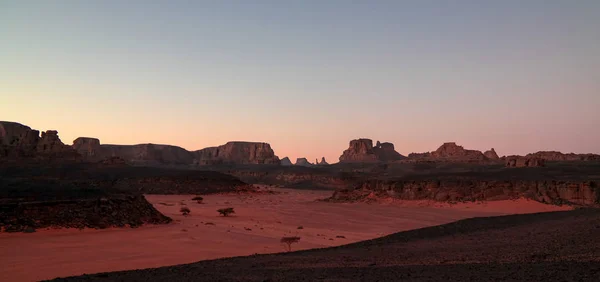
x=450, y=152
x=558, y=156
x=303, y=162
x=230, y=153
x=20, y=141
x=322, y=162
x=286, y=161
x=88, y=147
x=147, y=154
x=362, y=151
x=520, y=161
x=577, y=192
x=491, y=154
x=385, y=152
x=237, y=153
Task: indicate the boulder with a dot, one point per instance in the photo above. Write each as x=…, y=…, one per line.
x=237, y=153
x=286, y=161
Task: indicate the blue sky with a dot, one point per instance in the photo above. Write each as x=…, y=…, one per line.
x=307, y=76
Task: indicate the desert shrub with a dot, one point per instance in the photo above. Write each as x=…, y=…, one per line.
x=226, y=211
x=288, y=241
x=185, y=210
x=300, y=227
x=198, y=199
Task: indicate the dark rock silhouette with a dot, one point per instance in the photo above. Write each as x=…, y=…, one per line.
x=362, y=151
x=303, y=162
x=286, y=161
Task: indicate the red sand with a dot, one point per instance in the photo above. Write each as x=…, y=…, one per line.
x=54, y=253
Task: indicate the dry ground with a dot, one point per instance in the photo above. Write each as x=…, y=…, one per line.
x=256, y=227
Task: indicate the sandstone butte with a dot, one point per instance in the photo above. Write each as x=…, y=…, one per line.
x=286, y=161
x=303, y=162
x=363, y=151
x=230, y=153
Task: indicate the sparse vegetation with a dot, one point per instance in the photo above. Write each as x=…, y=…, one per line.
x=288, y=241
x=226, y=211
x=198, y=199
x=300, y=227
x=185, y=211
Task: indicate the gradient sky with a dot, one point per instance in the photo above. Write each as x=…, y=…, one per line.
x=307, y=76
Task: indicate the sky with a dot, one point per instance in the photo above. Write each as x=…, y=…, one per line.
x=307, y=76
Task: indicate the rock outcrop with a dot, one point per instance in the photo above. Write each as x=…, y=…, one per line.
x=362, y=151
x=286, y=162
x=237, y=153
x=520, y=161
x=145, y=154
x=154, y=154
x=558, y=156
x=385, y=152
x=102, y=212
x=491, y=154
x=20, y=141
x=303, y=162
x=322, y=162
x=584, y=193
x=450, y=152
x=88, y=147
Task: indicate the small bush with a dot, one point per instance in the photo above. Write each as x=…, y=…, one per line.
x=198, y=199
x=185, y=211
x=226, y=211
x=300, y=227
x=289, y=241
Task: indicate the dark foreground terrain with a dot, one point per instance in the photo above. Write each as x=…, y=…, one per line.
x=88, y=195
x=556, y=246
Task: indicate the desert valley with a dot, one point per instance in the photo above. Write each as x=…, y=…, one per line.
x=150, y=212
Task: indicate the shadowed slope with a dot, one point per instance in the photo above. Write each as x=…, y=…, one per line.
x=543, y=246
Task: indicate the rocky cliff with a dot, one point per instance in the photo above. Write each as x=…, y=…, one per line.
x=585, y=193
x=362, y=151
x=520, y=161
x=237, y=153
x=558, y=156
x=451, y=152
x=146, y=154
x=154, y=154
x=20, y=141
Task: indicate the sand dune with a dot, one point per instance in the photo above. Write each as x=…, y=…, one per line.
x=260, y=221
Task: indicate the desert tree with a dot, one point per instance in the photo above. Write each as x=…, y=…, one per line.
x=185, y=211
x=226, y=211
x=288, y=241
x=198, y=199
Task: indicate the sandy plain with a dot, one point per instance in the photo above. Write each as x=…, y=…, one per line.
x=259, y=222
